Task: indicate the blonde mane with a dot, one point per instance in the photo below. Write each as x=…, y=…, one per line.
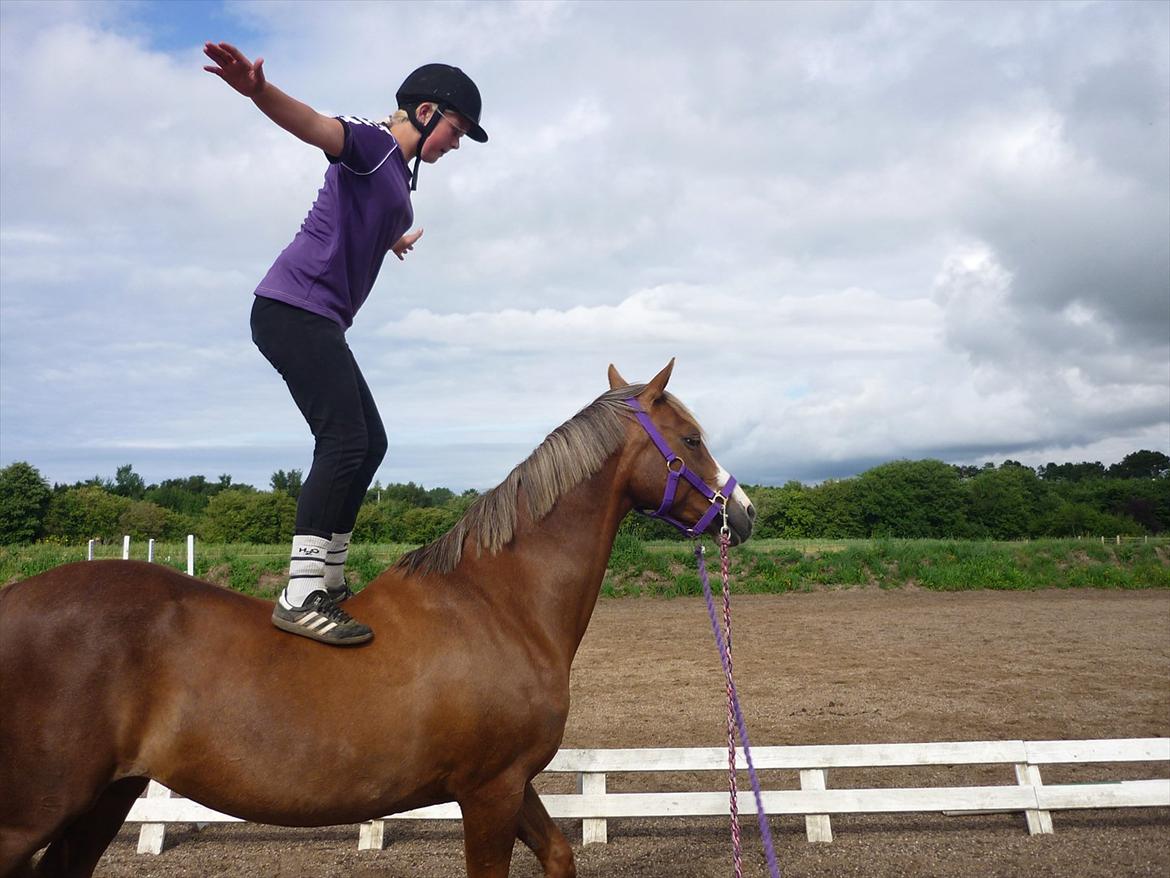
x=571, y=453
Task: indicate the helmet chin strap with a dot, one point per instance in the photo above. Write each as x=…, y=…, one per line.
x=424, y=132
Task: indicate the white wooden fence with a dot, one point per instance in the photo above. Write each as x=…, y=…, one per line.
x=89, y=551
x=814, y=800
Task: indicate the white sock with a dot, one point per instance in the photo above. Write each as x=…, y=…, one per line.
x=335, y=561
x=306, y=569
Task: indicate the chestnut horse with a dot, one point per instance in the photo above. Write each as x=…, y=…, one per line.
x=115, y=672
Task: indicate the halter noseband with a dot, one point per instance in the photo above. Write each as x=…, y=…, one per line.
x=718, y=498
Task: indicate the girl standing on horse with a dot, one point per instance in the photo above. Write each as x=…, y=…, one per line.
x=310, y=295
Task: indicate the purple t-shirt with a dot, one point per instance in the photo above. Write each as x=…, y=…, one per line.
x=360, y=212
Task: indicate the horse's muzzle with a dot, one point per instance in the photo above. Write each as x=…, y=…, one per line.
x=740, y=520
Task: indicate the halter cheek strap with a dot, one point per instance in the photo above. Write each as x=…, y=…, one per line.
x=677, y=469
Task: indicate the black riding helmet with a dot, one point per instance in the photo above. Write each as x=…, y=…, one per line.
x=448, y=87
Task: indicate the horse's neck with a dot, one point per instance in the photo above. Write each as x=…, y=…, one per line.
x=552, y=570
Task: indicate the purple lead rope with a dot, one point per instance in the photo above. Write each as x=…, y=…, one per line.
x=733, y=702
x=718, y=506
x=732, y=781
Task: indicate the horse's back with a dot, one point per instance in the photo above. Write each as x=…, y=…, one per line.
x=81, y=633
x=119, y=615
x=102, y=584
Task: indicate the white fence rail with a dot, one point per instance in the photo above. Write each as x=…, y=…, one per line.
x=593, y=805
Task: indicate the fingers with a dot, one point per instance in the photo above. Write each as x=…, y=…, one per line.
x=217, y=52
x=405, y=244
x=225, y=54
x=223, y=62
x=235, y=53
x=235, y=69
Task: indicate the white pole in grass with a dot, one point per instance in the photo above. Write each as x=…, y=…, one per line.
x=190, y=554
x=89, y=551
x=150, y=550
x=126, y=547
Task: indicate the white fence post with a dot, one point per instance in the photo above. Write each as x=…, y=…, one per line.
x=593, y=830
x=126, y=547
x=1039, y=822
x=89, y=551
x=372, y=835
x=190, y=554
x=152, y=835
x=816, y=826
x=150, y=550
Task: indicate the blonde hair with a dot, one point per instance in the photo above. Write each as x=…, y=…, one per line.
x=400, y=115
x=396, y=118
x=573, y=452
x=570, y=454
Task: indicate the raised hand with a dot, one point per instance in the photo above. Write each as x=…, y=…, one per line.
x=232, y=67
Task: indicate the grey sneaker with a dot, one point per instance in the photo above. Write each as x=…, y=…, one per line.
x=319, y=618
x=340, y=595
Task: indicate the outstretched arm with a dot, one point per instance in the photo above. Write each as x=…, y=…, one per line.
x=300, y=120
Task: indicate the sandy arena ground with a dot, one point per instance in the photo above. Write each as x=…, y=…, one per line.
x=835, y=666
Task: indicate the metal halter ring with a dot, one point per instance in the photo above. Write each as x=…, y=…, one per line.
x=716, y=497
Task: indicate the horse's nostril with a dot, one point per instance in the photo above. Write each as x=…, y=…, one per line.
x=751, y=512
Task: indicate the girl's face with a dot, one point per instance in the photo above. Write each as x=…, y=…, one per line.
x=446, y=135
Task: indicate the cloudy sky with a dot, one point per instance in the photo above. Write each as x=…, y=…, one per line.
x=867, y=231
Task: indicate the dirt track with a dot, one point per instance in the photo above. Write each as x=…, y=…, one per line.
x=847, y=666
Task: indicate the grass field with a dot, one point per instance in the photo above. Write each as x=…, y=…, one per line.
x=668, y=567
x=771, y=566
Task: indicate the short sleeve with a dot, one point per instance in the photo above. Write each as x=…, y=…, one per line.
x=366, y=145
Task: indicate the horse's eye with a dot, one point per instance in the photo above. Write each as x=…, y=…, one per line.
x=691, y=441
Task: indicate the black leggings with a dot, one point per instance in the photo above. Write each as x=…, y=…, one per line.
x=310, y=353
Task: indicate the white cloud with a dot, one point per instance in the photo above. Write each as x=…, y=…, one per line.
x=867, y=231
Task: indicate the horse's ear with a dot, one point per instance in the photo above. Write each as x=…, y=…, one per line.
x=657, y=384
x=615, y=378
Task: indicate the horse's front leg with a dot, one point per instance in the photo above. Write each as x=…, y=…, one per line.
x=491, y=817
x=538, y=831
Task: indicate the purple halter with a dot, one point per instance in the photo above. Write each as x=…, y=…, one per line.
x=718, y=498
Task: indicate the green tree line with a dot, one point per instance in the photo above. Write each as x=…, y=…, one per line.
x=912, y=499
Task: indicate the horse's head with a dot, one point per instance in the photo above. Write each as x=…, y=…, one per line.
x=673, y=475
